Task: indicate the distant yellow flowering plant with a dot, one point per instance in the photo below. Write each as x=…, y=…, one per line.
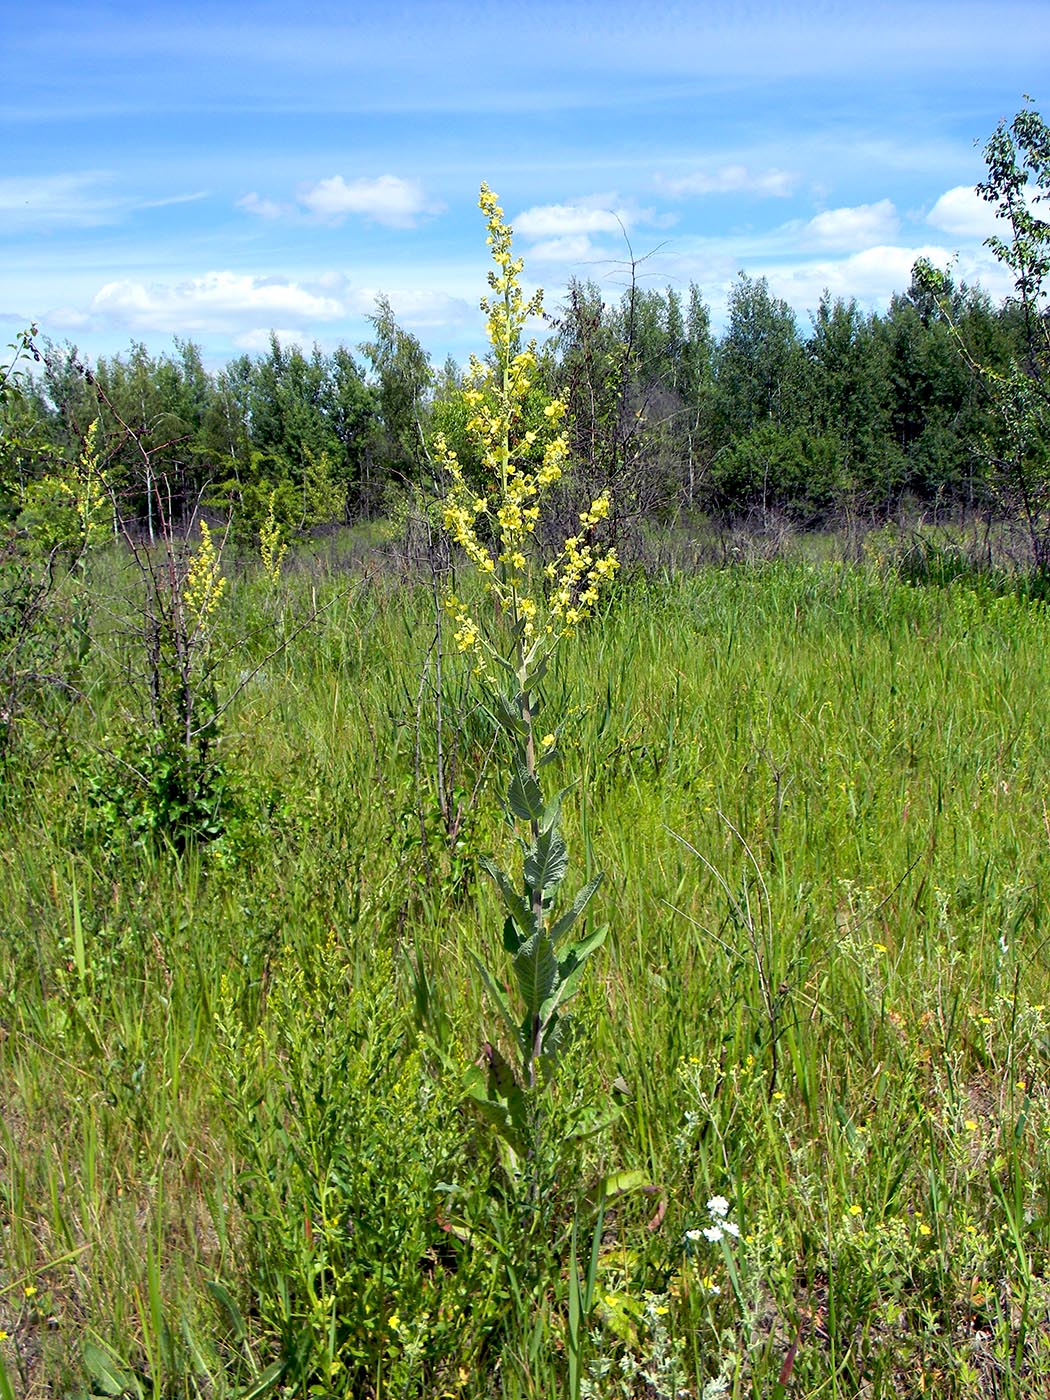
x=204, y=584
x=492, y=515
x=71, y=507
x=272, y=544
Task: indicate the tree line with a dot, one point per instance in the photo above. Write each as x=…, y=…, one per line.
x=865, y=412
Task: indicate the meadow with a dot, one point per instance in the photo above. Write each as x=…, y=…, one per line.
x=799, y=1143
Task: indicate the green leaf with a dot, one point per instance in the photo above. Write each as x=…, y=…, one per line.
x=504, y=664
x=6, y=1388
x=513, y=937
x=536, y=969
x=230, y=1308
x=532, y=680
x=556, y=1038
x=106, y=1373
x=496, y=992
x=264, y=1384
x=550, y=814
x=524, y=796
x=620, y=1183
x=579, y=904
x=509, y=716
x=200, y=1364
x=569, y=973
x=546, y=862
x=515, y=903
x=577, y=953
x=498, y=1097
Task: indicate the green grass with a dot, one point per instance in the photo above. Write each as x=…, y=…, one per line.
x=235, y=1152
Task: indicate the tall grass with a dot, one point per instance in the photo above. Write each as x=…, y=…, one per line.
x=235, y=1152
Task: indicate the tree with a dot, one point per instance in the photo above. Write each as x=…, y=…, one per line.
x=759, y=363
x=1018, y=161
x=404, y=376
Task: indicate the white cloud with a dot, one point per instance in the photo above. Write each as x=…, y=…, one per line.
x=386, y=200
x=264, y=208
x=863, y=225
x=68, y=318
x=218, y=301
x=415, y=308
x=258, y=340
x=565, y=220
x=964, y=214
x=874, y=275
x=575, y=248
x=729, y=179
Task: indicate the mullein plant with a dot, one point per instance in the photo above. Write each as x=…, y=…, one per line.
x=527, y=609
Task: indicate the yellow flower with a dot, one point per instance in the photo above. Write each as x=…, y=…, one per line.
x=548, y=741
x=856, y=1210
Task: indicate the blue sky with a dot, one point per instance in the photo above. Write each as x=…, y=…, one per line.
x=212, y=171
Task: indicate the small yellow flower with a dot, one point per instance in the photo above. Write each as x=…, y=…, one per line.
x=924, y=1229
x=548, y=741
x=970, y=1125
x=30, y=1290
x=855, y=1210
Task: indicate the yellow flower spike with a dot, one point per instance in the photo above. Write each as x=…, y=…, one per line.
x=521, y=458
x=204, y=585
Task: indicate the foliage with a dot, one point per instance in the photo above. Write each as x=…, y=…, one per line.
x=495, y=517
x=772, y=471
x=404, y=377
x=348, y=1148
x=233, y=1069
x=530, y=621
x=1017, y=157
x=160, y=776
x=58, y=518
